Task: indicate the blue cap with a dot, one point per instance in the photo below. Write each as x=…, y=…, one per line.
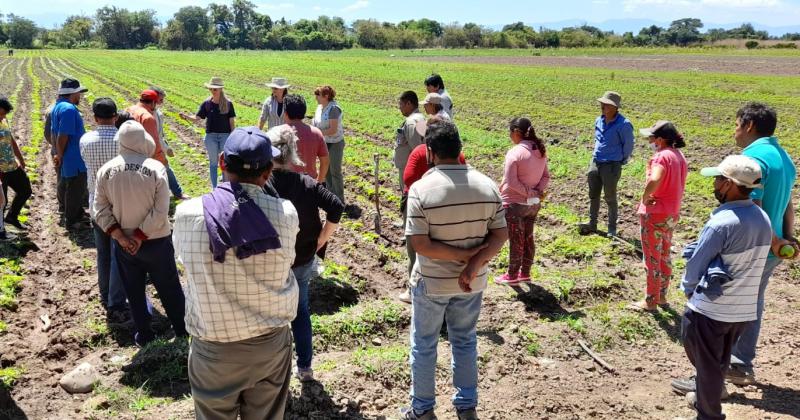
x=249, y=148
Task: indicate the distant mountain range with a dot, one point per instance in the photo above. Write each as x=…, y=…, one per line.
x=621, y=26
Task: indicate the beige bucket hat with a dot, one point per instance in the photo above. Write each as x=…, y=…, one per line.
x=610, y=98
x=279, y=83
x=215, y=83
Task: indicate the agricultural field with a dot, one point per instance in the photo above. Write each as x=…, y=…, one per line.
x=531, y=365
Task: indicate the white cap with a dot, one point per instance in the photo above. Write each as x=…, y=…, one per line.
x=740, y=169
x=432, y=98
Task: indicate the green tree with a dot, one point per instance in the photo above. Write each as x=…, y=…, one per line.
x=371, y=34
x=21, y=31
x=244, y=21
x=684, y=31
x=76, y=31
x=188, y=29
x=454, y=37
x=222, y=20
x=474, y=34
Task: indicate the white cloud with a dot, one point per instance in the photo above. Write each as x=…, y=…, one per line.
x=631, y=5
x=316, y=8
x=278, y=6
x=600, y=2
x=360, y=4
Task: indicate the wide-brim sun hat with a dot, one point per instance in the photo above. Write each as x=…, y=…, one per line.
x=611, y=98
x=69, y=86
x=279, y=83
x=215, y=83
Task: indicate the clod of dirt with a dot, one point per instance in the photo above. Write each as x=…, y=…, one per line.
x=81, y=380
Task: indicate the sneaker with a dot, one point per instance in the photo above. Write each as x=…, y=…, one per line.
x=740, y=376
x=586, y=229
x=16, y=223
x=686, y=386
x=304, y=374
x=409, y=413
x=691, y=400
x=506, y=279
x=405, y=296
x=523, y=278
x=467, y=414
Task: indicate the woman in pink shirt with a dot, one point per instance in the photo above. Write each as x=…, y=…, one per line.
x=525, y=178
x=659, y=209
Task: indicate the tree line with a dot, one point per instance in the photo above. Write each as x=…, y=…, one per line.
x=240, y=26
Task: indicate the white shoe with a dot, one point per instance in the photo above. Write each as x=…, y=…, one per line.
x=405, y=296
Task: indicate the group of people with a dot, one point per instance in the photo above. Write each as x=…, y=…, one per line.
x=248, y=248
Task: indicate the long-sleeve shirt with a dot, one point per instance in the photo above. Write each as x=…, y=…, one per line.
x=739, y=232
x=237, y=299
x=407, y=139
x=525, y=174
x=613, y=142
x=308, y=198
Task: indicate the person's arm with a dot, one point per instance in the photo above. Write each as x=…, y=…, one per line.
x=708, y=247
x=489, y=249
x=541, y=187
x=264, y=114
x=510, y=176
x=412, y=169
x=331, y=130
x=656, y=178
x=788, y=234
x=424, y=245
x=232, y=116
x=17, y=153
x=412, y=137
x=333, y=208
x=61, y=146
x=626, y=131
x=200, y=115
x=324, y=163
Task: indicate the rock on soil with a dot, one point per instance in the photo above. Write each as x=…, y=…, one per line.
x=81, y=380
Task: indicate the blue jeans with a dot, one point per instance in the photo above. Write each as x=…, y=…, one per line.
x=301, y=326
x=427, y=314
x=214, y=142
x=156, y=257
x=744, y=351
x=112, y=294
x=174, y=186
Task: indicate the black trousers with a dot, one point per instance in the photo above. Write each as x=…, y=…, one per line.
x=75, y=199
x=708, y=344
x=18, y=181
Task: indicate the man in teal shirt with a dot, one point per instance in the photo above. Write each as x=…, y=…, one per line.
x=755, y=129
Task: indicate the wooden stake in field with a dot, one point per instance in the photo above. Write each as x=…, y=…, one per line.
x=377, y=218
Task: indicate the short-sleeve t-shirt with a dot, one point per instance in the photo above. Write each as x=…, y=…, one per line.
x=66, y=120
x=778, y=175
x=310, y=145
x=669, y=194
x=8, y=162
x=458, y=206
x=216, y=122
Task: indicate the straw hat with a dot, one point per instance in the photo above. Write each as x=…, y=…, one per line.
x=215, y=83
x=279, y=83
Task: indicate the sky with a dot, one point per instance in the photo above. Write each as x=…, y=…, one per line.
x=774, y=13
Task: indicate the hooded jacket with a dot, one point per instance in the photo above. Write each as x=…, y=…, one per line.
x=132, y=189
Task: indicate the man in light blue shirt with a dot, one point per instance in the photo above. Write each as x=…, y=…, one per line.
x=613, y=145
x=739, y=233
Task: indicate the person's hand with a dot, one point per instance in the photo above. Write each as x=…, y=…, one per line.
x=124, y=242
x=57, y=161
x=137, y=243
x=650, y=201
x=170, y=152
x=467, y=254
x=777, y=244
x=467, y=275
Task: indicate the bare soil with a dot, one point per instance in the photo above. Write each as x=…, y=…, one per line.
x=781, y=66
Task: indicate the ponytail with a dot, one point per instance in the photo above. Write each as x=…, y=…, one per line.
x=524, y=126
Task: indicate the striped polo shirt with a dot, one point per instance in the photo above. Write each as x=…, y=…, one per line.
x=740, y=233
x=455, y=205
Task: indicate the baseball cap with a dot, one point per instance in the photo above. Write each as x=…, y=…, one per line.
x=149, y=95
x=740, y=169
x=70, y=86
x=104, y=108
x=249, y=148
x=611, y=98
x=659, y=129
x=432, y=98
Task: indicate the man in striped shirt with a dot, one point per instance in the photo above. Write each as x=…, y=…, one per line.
x=739, y=233
x=98, y=147
x=456, y=224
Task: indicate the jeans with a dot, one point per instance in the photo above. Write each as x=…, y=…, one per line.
x=708, y=345
x=334, y=180
x=215, y=142
x=174, y=186
x=74, y=197
x=112, y=293
x=156, y=257
x=301, y=325
x=19, y=182
x=744, y=351
x=427, y=314
x=604, y=177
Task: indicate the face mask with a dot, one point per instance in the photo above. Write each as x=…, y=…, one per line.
x=653, y=147
x=720, y=196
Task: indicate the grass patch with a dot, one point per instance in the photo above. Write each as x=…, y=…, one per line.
x=114, y=401
x=9, y=376
x=3, y=327
x=161, y=363
x=388, y=364
x=9, y=286
x=574, y=322
x=633, y=328
x=530, y=340
x=355, y=323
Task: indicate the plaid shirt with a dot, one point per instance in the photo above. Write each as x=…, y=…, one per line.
x=97, y=148
x=237, y=299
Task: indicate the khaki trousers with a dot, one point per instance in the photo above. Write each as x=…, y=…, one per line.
x=248, y=378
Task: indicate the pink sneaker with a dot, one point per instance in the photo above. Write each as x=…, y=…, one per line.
x=523, y=278
x=506, y=279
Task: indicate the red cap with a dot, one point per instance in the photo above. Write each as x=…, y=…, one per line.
x=149, y=95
